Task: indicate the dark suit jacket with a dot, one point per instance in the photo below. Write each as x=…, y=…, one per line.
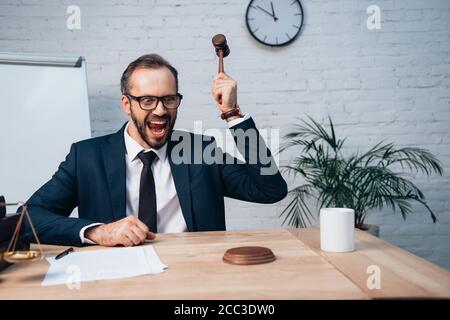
x=92, y=177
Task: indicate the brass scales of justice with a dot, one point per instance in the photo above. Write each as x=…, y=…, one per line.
x=12, y=255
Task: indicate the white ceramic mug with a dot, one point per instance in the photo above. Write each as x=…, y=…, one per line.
x=337, y=229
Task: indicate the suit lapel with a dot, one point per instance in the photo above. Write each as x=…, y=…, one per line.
x=180, y=174
x=114, y=161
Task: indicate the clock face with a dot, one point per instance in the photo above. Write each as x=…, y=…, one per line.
x=274, y=22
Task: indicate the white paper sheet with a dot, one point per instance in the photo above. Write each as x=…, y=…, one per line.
x=113, y=263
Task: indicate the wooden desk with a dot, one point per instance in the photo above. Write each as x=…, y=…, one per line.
x=403, y=274
x=301, y=271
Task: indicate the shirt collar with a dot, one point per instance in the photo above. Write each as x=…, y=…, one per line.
x=133, y=147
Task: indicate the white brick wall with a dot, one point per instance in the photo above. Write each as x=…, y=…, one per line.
x=388, y=84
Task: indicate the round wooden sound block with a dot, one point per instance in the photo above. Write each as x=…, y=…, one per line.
x=248, y=255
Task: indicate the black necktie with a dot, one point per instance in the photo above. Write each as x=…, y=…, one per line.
x=147, y=193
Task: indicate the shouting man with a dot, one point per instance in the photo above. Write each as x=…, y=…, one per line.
x=132, y=184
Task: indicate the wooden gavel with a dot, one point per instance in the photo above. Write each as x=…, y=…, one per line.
x=222, y=50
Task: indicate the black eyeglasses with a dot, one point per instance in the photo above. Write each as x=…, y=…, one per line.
x=171, y=101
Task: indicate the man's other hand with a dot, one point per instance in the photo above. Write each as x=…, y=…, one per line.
x=129, y=231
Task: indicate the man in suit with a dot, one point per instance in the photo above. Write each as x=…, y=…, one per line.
x=139, y=181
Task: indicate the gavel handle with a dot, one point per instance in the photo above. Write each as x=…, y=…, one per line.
x=220, y=61
x=220, y=67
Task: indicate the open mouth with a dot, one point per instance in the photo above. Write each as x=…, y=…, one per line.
x=158, y=128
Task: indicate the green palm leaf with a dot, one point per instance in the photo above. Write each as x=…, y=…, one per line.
x=365, y=182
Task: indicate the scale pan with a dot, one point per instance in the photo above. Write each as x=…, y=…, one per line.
x=21, y=256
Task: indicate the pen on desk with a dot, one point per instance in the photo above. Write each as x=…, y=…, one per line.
x=64, y=253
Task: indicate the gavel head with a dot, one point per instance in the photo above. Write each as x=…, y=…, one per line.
x=220, y=43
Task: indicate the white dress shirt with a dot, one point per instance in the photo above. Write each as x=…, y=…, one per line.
x=169, y=215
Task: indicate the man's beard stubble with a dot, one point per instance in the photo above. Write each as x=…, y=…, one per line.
x=141, y=126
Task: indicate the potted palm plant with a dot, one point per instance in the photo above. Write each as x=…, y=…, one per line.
x=366, y=181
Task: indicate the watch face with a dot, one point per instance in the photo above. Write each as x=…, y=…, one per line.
x=276, y=22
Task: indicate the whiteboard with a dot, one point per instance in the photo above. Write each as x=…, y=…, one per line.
x=43, y=109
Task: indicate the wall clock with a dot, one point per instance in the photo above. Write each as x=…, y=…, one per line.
x=274, y=23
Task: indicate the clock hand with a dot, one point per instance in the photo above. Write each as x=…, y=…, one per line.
x=265, y=11
x=273, y=12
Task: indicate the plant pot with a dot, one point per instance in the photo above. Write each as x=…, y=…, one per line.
x=373, y=229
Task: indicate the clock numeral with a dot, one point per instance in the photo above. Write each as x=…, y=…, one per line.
x=254, y=31
x=295, y=1
x=298, y=27
x=288, y=36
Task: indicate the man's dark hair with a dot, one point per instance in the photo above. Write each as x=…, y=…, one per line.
x=150, y=61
